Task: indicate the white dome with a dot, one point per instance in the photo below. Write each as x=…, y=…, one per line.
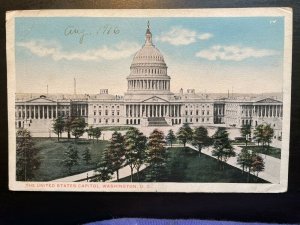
x=148, y=70
x=148, y=54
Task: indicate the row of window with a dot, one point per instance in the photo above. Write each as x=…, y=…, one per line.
x=196, y=120
x=106, y=112
x=149, y=71
x=100, y=106
x=196, y=106
x=107, y=121
x=196, y=113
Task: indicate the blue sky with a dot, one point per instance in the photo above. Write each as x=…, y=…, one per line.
x=208, y=54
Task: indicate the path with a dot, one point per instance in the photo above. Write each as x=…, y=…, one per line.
x=272, y=165
x=123, y=172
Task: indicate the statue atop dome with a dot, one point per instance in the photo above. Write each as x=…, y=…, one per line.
x=148, y=35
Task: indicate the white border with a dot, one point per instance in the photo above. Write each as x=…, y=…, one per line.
x=151, y=187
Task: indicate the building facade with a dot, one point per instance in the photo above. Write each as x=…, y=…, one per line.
x=148, y=101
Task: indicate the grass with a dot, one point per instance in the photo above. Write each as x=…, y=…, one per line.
x=185, y=165
x=52, y=153
x=272, y=151
x=114, y=128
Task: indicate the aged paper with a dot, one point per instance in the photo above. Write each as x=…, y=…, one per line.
x=185, y=100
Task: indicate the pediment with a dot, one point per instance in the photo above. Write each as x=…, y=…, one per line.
x=41, y=100
x=268, y=100
x=155, y=99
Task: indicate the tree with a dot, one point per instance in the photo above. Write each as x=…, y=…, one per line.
x=135, y=145
x=27, y=156
x=70, y=157
x=258, y=133
x=97, y=133
x=185, y=134
x=156, y=157
x=170, y=138
x=263, y=134
x=104, y=167
x=77, y=127
x=200, y=138
x=90, y=132
x=246, y=132
x=258, y=164
x=58, y=126
x=244, y=159
x=268, y=134
x=68, y=126
x=223, y=149
x=86, y=156
x=115, y=152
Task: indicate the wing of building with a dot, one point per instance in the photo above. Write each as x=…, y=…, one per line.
x=148, y=102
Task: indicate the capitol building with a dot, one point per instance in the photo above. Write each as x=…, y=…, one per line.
x=148, y=102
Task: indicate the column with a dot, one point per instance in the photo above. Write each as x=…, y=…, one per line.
x=168, y=106
x=45, y=114
x=34, y=112
x=52, y=110
x=146, y=110
x=159, y=110
x=25, y=112
x=38, y=108
x=140, y=110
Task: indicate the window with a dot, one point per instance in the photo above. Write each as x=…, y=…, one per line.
x=112, y=120
x=197, y=112
x=207, y=119
x=100, y=113
x=207, y=112
x=186, y=112
x=202, y=119
x=118, y=120
x=99, y=120
x=191, y=120
x=197, y=120
x=106, y=112
x=191, y=112
x=202, y=112
x=118, y=113
x=112, y=113
x=94, y=113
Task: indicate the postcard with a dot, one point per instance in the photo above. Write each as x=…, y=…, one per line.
x=164, y=100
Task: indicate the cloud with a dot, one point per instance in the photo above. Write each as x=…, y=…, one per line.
x=234, y=53
x=43, y=49
x=205, y=36
x=181, y=36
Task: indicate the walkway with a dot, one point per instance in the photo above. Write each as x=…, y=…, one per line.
x=123, y=172
x=272, y=165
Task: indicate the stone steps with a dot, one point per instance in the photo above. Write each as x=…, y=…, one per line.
x=157, y=122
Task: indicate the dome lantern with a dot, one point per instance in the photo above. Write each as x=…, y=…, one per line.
x=148, y=35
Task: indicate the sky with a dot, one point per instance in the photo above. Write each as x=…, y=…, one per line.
x=207, y=54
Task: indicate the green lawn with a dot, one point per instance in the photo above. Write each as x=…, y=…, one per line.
x=272, y=151
x=115, y=128
x=185, y=165
x=52, y=153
